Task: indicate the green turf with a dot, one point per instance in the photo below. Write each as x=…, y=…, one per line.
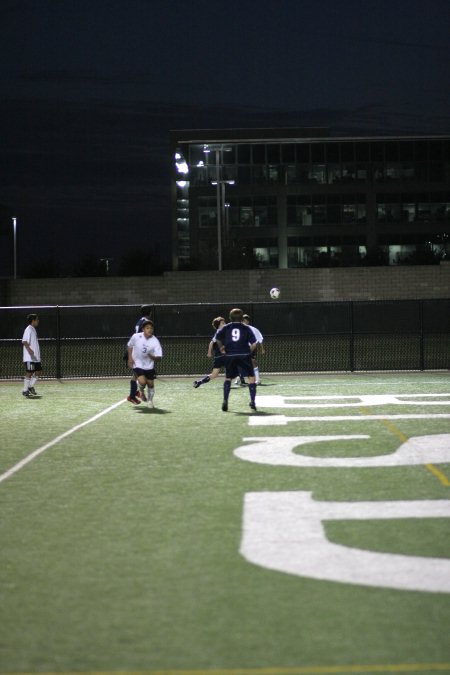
x=120, y=543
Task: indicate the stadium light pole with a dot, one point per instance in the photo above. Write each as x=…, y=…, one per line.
x=220, y=187
x=219, y=213
x=14, y=222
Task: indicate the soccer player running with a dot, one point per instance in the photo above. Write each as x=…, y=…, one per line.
x=237, y=342
x=143, y=350
x=213, y=350
x=31, y=356
x=133, y=395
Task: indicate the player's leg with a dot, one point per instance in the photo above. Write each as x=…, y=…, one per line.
x=142, y=381
x=231, y=372
x=256, y=370
x=133, y=395
x=151, y=390
x=247, y=368
x=27, y=379
x=34, y=378
x=203, y=380
x=226, y=393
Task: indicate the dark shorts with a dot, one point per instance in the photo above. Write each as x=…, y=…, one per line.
x=32, y=366
x=148, y=374
x=238, y=364
x=219, y=361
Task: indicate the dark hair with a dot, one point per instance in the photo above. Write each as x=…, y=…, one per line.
x=148, y=322
x=31, y=317
x=236, y=314
x=246, y=317
x=217, y=321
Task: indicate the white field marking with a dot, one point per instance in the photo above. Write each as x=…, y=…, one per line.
x=279, y=451
x=29, y=458
x=303, y=381
x=283, y=420
x=284, y=531
x=356, y=401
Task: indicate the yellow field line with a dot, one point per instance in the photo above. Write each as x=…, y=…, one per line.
x=300, y=670
x=439, y=475
x=400, y=435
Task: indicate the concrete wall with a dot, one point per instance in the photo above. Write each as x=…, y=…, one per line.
x=351, y=283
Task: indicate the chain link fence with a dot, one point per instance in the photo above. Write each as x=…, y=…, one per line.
x=89, y=341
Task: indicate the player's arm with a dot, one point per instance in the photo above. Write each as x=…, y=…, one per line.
x=210, y=349
x=130, y=356
x=156, y=353
x=221, y=346
x=130, y=352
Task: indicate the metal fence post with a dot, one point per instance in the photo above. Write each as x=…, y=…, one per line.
x=58, y=344
x=352, y=340
x=422, y=355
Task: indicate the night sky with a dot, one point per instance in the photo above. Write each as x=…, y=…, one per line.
x=91, y=88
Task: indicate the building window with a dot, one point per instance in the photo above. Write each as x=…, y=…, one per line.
x=267, y=256
x=317, y=174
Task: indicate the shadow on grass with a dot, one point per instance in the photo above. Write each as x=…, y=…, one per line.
x=261, y=384
x=253, y=413
x=145, y=410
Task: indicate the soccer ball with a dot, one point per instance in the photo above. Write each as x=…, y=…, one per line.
x=274, y=293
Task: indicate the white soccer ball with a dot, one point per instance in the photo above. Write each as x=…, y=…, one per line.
x=275, y=293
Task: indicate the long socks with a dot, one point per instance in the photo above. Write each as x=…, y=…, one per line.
x=226, y=389
x=252, y=390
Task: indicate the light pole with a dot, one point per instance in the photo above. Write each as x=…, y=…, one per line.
x=107, y=261
x=219, y=213
x=14, y=222
x=220, y=195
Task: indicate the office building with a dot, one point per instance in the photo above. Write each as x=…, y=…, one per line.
x=286, y=198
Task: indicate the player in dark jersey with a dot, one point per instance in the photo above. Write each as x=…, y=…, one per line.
x=213, y=350
x=237, y=342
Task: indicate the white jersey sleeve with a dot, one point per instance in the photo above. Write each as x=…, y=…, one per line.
x=258, y=335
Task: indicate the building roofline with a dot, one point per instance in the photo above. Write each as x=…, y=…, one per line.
x=249, y=134
x=285, y=134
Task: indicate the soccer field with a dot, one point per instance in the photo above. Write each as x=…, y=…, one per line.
x=309, y=537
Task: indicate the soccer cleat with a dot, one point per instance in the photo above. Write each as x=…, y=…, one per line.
x=252, y=405
x=26, y=394
x=32, y=390
x=243, y=383
x=237, y=380
x=225, y=406
x=196, y=384
x=133, y=399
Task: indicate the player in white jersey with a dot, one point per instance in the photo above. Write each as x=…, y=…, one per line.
x=31, y=356
x=133, y=396
x=143, y=350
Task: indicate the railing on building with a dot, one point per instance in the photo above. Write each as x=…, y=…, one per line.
x=89, y=340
